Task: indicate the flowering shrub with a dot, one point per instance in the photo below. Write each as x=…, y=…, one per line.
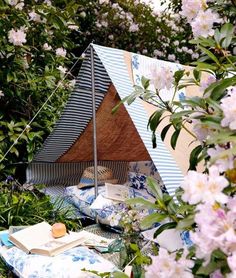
x=205, y=202
x=39, y=43
x=35, y=55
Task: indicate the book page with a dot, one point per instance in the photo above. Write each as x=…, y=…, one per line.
x=35, y=235
x=58, y=245
x=92, y=240
x=117, y=192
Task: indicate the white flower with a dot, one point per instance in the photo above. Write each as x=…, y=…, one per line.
x=165, y=266
x=34, y=16
x=103, y=2
x=61, y=52
x=171, y=57
x=176, y=43
x=1, y=94
x=63, y=70
x=73, y=27
x=203, y=23
x=228, y=105
x=204, y=188
x=222, y=162
x=47, y=47
x=114, y=219
x=111, y=37
x=72, y=83
x=194, y=185
x=17, y=37
x=161, y=78
x=83, y=14
x=215, y=184
x=158, y=53
x=17, y=4
x=195, y=56
x=48, y=2
x=190, y=8
x=133, y=27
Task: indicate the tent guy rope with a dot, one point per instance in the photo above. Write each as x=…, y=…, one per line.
x=29, y=123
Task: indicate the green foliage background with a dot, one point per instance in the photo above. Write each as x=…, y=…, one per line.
x=29, y=73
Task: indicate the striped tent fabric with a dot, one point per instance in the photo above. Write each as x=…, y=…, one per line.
x=167, y=167
x=77, y=112
x=110, y=68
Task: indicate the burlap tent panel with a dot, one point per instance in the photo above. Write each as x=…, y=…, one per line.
x=117, y=137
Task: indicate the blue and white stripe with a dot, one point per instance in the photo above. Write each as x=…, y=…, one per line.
x=109, y=68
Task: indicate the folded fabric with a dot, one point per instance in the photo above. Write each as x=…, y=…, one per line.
x=66, y=265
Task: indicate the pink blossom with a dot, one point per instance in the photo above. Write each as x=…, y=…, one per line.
x=161, y=78
x=202, y=25
x=194, y=186
x=232, y=263
x=61, y=52
x=17, y=36
x=200, y=187
x=190, y=8
x=223, y=162
x=165, y=266
x=228, y=105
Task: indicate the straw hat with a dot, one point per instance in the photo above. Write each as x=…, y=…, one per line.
x=104, y=175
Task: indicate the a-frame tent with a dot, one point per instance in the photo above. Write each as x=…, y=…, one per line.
x=121, y=138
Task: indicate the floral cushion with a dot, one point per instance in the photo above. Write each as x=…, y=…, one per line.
x=83, y=198
x=140, y=170
x=104, y=207
x=66, y=265
x=137, y=180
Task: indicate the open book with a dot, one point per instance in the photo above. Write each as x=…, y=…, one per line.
x=38, y=239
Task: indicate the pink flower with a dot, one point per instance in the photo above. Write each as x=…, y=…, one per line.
x=17, y=37
x=228, y=105
x=202, y=25
x=223, y=162
x=165, y=266
x=61, y=52
x=204, y=188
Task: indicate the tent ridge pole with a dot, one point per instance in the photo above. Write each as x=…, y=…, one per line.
x=94, y=122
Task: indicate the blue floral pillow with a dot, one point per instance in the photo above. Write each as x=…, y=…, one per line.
x=137, y=180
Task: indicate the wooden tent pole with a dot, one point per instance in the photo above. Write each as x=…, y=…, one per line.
x=94, y=121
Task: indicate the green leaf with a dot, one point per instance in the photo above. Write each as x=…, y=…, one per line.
x=115, y=109
x=151, y=219
x=163, y=227
x=210, y=54
x=164, y=131
x=154, y=187
x=181, y=114
x=197, y=74
x=193, y=160
x=154, y=119
x=178, y=75
x=205, y=66
x=226, y=31
x=141, y=201
x=219, y=88
x=174, y=138
x=187, y=222
x=145, y=82
x=118, y=274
